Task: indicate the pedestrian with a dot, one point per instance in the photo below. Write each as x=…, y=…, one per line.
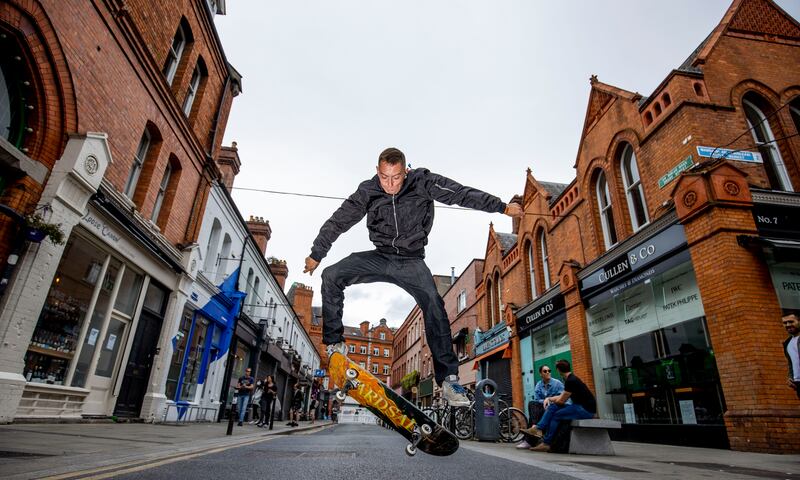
x=557, y=409
x=267, y=398
x=791, y=348
x=544, y=388
x=296, y=407
x=255, y=402
x=398, y=204
x=245, y=387
x=335, y=411
x=312, y=407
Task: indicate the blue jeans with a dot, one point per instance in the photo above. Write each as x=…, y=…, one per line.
x=409, y=273
x=244, y=400
x=555, y=413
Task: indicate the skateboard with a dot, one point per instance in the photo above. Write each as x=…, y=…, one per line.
x=397, y=412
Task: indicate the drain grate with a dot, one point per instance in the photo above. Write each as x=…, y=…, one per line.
x=9, y=454
x=610, y=467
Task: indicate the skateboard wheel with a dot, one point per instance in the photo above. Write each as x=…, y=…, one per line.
x=411, y=450
x=351, y=373
x=426, y=429
x=340, y=395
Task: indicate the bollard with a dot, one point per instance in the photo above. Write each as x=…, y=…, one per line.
x=231, y=416
x=487, y=420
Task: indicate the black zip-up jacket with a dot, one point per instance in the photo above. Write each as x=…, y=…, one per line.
x=400, y=223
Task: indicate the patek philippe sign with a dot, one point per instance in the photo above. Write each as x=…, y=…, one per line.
x=636, y=258
x=540, y=314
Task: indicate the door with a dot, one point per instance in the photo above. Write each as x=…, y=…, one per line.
x=528, y=377
x=140, y=361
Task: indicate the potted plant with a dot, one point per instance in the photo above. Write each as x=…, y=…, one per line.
x=36, y=229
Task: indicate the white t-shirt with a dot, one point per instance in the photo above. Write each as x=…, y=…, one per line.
x=791, y=347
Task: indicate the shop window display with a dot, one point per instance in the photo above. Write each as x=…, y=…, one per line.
x=179, y=351
x=652, y=356
x=54, y=341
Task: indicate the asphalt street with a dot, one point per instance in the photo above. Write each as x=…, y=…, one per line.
x=346, y=451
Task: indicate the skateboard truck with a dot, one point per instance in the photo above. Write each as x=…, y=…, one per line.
x=351, y=374
x=420, y=432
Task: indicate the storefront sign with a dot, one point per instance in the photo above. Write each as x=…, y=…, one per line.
x=538, y=318
x=739, y=155
x=688, y=416
x=777, y=220
x=786, y=280
x=685, y=164
x=635, y=259
x=102, y=229
x=493, y=338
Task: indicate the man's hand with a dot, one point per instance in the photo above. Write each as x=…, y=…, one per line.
x=513, y=210
x=311, y=265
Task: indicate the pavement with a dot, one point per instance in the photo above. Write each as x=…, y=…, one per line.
x=64, y=451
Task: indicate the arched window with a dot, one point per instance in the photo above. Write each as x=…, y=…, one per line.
x=633, y=188
x=224, y=255
x=256, y=295
x=162, y=192
x=606, y=212
x=545, y=260
x=138, y=164
x=248, y=289
x=166, y=192
x=490, y=301
x=211, y=249
x=498, y=286
x=765, y=141
x=199, y=75
x=140, y=174
x=531, y=270
x=176, y=49
x=16, y=89
x=794, y=109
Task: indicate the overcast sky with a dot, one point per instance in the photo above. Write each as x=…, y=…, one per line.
x=477, y=91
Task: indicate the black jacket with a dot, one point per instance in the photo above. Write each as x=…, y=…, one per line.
x=400, y=223
x=788, y=358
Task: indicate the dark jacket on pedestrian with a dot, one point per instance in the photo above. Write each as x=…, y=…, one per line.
x=400, y=223
x=788, y=358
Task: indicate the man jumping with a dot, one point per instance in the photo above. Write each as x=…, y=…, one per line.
x=398, y=203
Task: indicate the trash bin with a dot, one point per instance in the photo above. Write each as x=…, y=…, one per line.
x=487, y=419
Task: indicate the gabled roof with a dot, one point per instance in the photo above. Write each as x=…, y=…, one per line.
x=553, y=189
x=507, y=241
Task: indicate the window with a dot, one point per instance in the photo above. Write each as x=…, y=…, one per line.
x=363, y=350
x=162, y=191
x=794, y=109
x=248, y=290
x=376, y=351
x=352, y=349
x=386, y=369
x=606, y=213
x=224, y=254
x=383, y=335
x=138, y=163
x=211, y=249
x=174, y=54
x=361, y=364
x=531, y=271
x=255, y=295
x=385, y=352
x=192, y=92
x=374, y=368
x=765, y=141
x=462, y=301
x=545, y=268
x=16, y=90
x=633, y=188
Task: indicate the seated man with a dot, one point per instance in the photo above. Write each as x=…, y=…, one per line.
x=556, y=408
x=545, y=388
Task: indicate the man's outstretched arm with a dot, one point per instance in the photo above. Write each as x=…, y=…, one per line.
x=348, y=214
x=450, y=192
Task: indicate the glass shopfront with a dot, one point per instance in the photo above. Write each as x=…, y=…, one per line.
x=652, y=356
x=550, y=344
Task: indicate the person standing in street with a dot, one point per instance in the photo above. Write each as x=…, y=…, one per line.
x=245, y=387
x=398, y=203
x=791, y=348
x=557, y=409
x=267, y=397
x=296, y=406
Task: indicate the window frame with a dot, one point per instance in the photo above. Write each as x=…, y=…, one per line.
x=191, y=93
x=634, y=191
x=162, y=192
x=142, y=151
x=606, y=210
x=532, y=270
x=174, y=54
x=545, y=257
x=768, y=148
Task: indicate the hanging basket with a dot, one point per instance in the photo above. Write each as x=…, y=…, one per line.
x=35, y=235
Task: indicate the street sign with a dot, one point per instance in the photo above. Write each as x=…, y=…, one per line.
x=686, y=163
x=319, y=372
x=739, y=155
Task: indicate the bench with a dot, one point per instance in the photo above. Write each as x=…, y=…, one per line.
x=590, y=437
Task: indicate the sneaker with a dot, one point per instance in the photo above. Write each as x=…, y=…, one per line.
x=239, y=424
x=454, y=393
x=523, y=445
x=337, y=347
x=534, y=430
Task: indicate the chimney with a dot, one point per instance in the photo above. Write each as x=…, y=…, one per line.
x=261, y=232
x=228, y=163
x=279, y=270
x=364, y=327
x=300, y=297
x=383, y=322
x=452, y=276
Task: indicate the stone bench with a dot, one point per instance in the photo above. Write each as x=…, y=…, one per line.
x=590, y=437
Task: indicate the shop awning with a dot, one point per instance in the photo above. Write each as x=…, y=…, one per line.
x=782, y=243
x=504, y=349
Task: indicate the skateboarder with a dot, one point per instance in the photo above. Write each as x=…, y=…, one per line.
x=398, y=203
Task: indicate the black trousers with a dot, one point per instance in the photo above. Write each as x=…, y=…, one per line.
x=409, y=273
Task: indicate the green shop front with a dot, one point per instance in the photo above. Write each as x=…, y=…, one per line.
x=543, y=337
x=652, y=357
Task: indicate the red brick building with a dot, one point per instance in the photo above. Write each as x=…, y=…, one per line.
x=119, y=114
x=371, y=347
x=662, y=270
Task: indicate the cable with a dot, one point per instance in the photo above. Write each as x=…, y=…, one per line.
x=326, y=197
x=766, y=117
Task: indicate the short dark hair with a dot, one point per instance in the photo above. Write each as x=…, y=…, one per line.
x=563, y=366
x=392, y=156
x=541, y=367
